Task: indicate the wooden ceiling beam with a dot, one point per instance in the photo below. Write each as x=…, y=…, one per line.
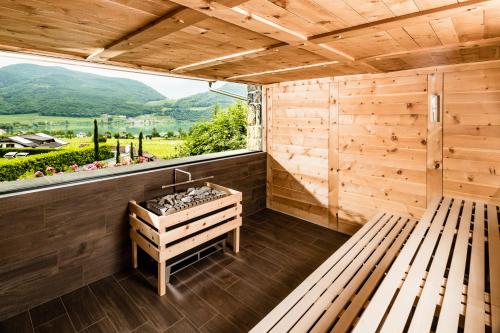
x=255, y=23
x=165, y=25
x=435, y=49
x=402, y=20
x=282, y=70
x=169, y=23
x=233, y=14
x=229, y=58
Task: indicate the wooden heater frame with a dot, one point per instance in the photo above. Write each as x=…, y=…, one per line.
x=165, y=237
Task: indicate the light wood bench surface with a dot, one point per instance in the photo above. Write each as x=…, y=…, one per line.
x=396, y=274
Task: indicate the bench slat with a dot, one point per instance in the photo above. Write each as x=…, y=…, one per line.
x=386, y=250
x=282, y=308
x=494, y=253
x=375, y=311
x=424, y=312
x=474, y=312
x=322, y=303
x=398, y=274
x=452, y=302
x=308, y=300
x=403, y=303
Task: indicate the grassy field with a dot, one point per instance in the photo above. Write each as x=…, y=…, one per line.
x=158, y=147
x=34, y=122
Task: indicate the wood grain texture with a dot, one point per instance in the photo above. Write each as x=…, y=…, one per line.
x=229, y=38
x=390, y=155
x=82, y=308
x=298, y=144
x=333, y=157
x=435, y=141
x=77, y=242
x=471, y=148
x=382, y=137
x=395, y=275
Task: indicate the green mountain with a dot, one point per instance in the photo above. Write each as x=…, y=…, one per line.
x=57, y=91
x=197, y=106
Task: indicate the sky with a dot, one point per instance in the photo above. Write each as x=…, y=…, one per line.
x=170, y=87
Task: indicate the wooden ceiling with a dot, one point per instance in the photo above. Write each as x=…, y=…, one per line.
x=262, y=41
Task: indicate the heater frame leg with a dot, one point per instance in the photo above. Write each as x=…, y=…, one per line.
x=162, y=278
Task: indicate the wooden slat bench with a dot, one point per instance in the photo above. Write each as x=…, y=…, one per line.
x=395, y=274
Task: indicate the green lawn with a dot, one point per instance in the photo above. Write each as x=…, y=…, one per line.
x=158, y=147
x=34, y=122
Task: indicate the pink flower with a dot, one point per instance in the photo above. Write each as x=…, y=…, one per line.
x=50, y=170
x=89, y=167
x=100, y=164
x=39, y=174
x=74, y=167
x=142, y=159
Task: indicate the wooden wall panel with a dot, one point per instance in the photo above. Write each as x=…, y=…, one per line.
x=298, y=139
x=333, y=158
x=472, y=134
x=57, y=240
x=383, y=150
x=435, y=141
x=382, y=147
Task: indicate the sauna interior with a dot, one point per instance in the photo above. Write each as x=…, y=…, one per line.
x=367, y=199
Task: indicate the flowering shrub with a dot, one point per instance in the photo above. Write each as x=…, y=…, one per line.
x=74, y=167
x=39, y=174
x=50, y=170
x=95, y=165
x=100, y=164
x=89, y=167
x=59, y=160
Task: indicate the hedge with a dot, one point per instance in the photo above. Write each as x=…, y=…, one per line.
x=60, y=160
x=31, y=151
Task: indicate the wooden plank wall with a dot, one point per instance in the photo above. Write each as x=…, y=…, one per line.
x=382, y=147
x=472, y=134
x=57, y=240
x=383, y=151
x=297, y=146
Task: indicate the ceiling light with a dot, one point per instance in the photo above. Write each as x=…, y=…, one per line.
x=95, y=54
x=261, y=19
x=336, y=51
x=226, y=57
x=283, y=70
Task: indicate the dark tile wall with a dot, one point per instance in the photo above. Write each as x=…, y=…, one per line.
x=57, y=240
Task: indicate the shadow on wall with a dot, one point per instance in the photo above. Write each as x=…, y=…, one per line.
x=300, y=188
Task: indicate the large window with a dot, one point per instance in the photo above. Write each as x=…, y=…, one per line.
x=58, y=119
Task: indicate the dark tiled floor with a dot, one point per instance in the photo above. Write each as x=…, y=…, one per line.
x=223, y=293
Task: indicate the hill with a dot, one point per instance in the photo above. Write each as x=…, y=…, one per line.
x=197, y=106
x=57, y=91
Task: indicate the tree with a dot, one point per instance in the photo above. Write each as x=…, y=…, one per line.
x=140, y=144
x=217, y=109
x=155, y=133
x=118, y=152
x=96, y=141
x=132, y=151
x=226, y=131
